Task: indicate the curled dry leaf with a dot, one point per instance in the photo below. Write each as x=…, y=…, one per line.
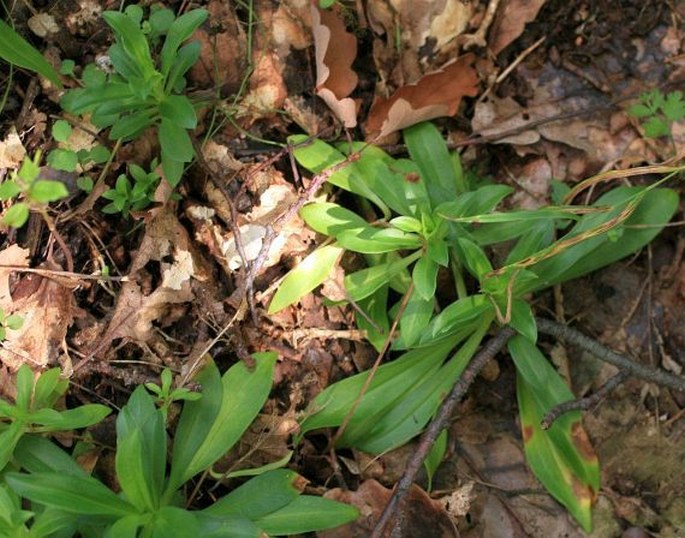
x=432, y=96
x=335, y=49
x=511, y=19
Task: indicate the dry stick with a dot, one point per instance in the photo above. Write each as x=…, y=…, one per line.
x=582, y=404
x=635, y=369
x=438, y=423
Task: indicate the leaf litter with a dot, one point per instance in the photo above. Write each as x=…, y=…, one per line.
x=555, y=115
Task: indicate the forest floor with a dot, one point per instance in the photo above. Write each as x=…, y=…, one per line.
x=555, y=81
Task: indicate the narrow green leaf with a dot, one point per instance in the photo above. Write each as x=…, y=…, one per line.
x=37, y=454
x=307, y=514
x=473, y=258
x=562, y=457
x=180, y=30
x=243, y=395
x=330, y=219
x=424, y=276
x=8, y=442
x=523, y=320
x=16, y=50
x=306, y=276
x=179, y=110
x=435, y=457
x=363, y=283
x=187, y=55
x=429, y=151
x=49, y=387
x=24, y=382
x=174, y=522
x=132, y=39
x=414, y=320
x=259, y=496
x=175, y=142
x=372, y=240
x=80, y=495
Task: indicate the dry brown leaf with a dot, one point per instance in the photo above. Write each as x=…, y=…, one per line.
x=433, y=95
x=336, y=49
x=512, y=17
x=12, y=151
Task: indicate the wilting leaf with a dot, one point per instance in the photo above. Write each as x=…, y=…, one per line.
x=432, y=96
x=336, y=49
x=561, y=457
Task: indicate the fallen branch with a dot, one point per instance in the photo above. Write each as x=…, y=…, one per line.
x=438, y=423
x=603, y=353
x=582, y=404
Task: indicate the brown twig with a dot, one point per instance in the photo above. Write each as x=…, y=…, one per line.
x=431, y=433
x=635, y=369
x=582, y=404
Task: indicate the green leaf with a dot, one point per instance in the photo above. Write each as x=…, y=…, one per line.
x=141, y=451
x=79, y=495
x=655, y=208
x=8, y=441
x=656, y=127
x=180, y=30
x=414, y=320
x=674, y=107
x=24, y=382
x=523, y=320
x=561, y=457
x=259, y=496
x=132, y=40
x=49, y=387
x=479, y=202
x=185, y=59
x=306, y=276
x=243, y=394
x=132, y=125
x=363, y=283
x=17, y=215
x=307, y=514
x=429, y=151
x=63, y=159
x=14, y=322
x=639, y=111
x=9, y=189
x=16, y=50
x=435, y=457
x=179, y=110
x=473, y=258
x=376, y=310
x=173, y=170
x=45, y=191
x=61, y=130
x=424, y=276
x=317, y=156
x=175, y=142
x=330, y=219
x=174, y=522
x=407, y=224
x=37, y=454
x=372, y=240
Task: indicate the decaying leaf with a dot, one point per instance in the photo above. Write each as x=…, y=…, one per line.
x=433, y=95
x=46, y=308
x=167, y=242
x=336, y=49
x=12, y=151
x=512, y=17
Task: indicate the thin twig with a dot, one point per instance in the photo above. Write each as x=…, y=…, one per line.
x=435, y=427
x=635, y=369
x=582, y=404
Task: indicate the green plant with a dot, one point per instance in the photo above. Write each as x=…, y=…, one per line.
x=11, y=323
x=35, y=192
x=429, y=217
x=658, y=111
x=153, y=501
x=33, y=410
x=144, y=93
x=17, y=51
x=126, y=196
x=166, y=395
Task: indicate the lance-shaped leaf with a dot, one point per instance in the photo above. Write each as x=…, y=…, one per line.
x=335, y=49
x=561, y=457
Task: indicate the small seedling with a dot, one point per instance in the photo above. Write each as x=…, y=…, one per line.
x=166, y=395
x=30, y=192
x=11, y=323
x=127, y=196
x=658, y=111
x=143, y=92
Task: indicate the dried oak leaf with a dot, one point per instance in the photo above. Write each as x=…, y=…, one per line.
x=510, y=22
x=432, y=96
x=335, y=49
